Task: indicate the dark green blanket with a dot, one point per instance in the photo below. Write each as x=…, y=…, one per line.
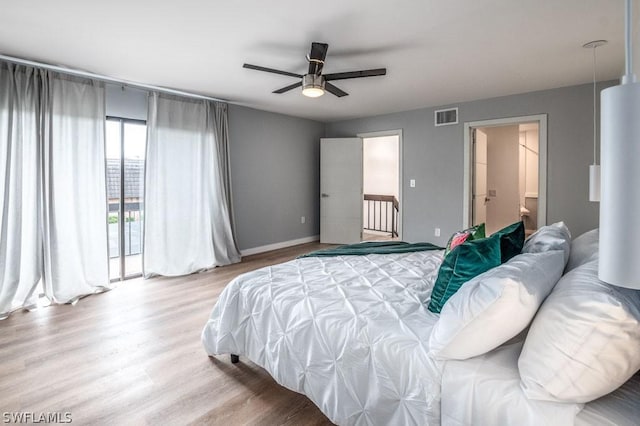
x=373, y=247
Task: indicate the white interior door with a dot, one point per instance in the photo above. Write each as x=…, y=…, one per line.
x=480, y=198
x=340, y=190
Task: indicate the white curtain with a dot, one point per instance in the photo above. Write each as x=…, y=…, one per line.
x=74, y=190
x=20, y=231
x=188, y=224
x=52, y=188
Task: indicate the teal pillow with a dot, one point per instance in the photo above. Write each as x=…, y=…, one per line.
x=511, y=240
x=464, y=262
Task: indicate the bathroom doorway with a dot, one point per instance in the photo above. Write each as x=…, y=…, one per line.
x=506, y=173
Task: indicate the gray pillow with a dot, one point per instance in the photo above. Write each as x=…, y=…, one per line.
x=583, y=249
x=550, y=237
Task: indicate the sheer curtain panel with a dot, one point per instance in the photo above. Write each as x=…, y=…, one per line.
x=53, y=226
x=187, y=190
x=74, y=191
x=20, y=231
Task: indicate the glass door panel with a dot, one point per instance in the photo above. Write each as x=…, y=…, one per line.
x=113, y=145
x=135, y=137
x=126, y=142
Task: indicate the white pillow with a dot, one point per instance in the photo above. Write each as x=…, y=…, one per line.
x=550, y=237
x=495, y=306
x=583, y=249
x=585, y=340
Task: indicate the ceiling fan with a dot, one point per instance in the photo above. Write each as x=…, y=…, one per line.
x=314, y=83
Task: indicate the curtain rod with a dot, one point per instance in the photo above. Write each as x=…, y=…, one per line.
x=106, y=79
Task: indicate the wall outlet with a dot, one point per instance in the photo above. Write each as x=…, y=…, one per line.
x=303, y=219
x=412, y=183
x=436, y=232
x=492, y=193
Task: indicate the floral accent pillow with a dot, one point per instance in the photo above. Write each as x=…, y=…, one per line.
x=474, y=233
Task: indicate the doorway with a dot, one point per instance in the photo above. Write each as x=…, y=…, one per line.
x=506, y=173
x=381, y=187
x=125, y=153
x=343, y=209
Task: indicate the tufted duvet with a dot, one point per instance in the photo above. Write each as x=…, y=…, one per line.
x=350, y=332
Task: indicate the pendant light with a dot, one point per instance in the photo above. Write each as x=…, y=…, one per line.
x=594, y=169
x=619, y=262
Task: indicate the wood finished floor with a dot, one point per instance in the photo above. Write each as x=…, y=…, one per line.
x=133, y=356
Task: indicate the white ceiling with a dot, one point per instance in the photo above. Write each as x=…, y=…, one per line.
x=436, y=52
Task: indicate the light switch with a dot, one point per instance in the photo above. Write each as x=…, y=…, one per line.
x=412, y=183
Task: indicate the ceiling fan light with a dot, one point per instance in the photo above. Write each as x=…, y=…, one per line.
x=313, y=92
x=312, y=85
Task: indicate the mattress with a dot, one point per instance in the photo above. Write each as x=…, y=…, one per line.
x=350, y=332
x=486, y=391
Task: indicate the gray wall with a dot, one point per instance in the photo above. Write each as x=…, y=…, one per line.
x=434, y=157
x=275, y=163
x=275, y=173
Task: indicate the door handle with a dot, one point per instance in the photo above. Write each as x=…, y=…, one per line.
x=487, y=199
x=323, y=195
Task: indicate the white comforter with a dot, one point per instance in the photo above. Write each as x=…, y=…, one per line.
x=350, y=332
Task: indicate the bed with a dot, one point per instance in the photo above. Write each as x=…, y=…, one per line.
x=352, y=333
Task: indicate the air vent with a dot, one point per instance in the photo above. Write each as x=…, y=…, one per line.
x=445, y=117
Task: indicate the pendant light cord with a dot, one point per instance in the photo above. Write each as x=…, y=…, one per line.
x=628, y=74
x=593, y=45
x=594, y=108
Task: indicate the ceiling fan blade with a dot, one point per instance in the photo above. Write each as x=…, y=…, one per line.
x=317, y=56
x=265, y=69
x=355, y=74
x=290, y=87
x=334, y=90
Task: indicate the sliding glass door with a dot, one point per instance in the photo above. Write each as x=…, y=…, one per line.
x=126, y=142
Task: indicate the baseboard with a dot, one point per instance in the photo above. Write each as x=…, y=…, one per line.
x=276, y=246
